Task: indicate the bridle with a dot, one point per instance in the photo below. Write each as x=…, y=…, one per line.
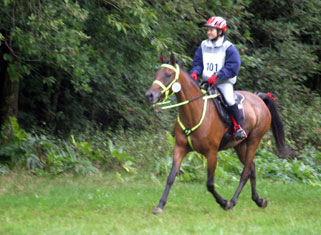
x=166, y=89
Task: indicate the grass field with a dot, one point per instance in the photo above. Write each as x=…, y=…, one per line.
x=107, y=205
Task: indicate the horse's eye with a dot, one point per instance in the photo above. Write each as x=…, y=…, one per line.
x=168, y=75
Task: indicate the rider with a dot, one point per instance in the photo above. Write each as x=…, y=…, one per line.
x=219, y=62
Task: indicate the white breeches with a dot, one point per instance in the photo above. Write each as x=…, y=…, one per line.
x=228, y=92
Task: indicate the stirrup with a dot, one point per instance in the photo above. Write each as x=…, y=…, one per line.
x=239, y=134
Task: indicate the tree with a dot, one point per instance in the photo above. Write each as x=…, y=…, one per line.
x=41, y=40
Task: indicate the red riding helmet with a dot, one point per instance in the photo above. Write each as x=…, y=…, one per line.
x=217, y=22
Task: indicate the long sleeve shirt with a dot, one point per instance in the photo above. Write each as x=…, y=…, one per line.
x=221, y=57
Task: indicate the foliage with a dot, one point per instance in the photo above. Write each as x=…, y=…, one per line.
x=90, y=62
x=84, y=66
x=38, y=154
x=4, y=170
x=304, y=131
x=136, y=154
x=19, y=148
x=283, y=57
x=306, y=168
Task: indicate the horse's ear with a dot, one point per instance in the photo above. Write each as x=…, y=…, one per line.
x=162, y=58
x=172, y=59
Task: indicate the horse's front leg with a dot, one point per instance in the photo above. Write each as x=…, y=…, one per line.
x=179, y=154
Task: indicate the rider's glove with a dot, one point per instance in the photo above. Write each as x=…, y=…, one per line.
x=194, y=76
x=212, y=79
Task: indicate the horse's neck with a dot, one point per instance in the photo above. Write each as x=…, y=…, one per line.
x=190, y=113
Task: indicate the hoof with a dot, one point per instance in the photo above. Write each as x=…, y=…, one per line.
x=263, y=203
x=228, y=206
x=157, y=210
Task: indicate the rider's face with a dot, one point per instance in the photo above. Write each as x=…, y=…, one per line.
x=211, y=33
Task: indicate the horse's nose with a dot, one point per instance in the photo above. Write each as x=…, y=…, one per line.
x=149, y=96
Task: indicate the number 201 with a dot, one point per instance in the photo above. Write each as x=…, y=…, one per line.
x=210, y=67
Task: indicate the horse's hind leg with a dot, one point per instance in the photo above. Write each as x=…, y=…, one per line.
x=242, y=153
x=261, y=202
x=246, y=152
x=211, y=166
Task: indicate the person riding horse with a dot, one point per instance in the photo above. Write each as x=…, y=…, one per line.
x=218, y=61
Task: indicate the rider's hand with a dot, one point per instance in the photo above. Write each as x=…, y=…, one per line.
x=212, y=79
x=194, y=76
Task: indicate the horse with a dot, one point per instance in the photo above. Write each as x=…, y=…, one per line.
x=259, y=114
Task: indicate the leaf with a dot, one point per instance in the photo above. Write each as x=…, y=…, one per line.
x=1, y=38
x=13, y=71
x=49, y=80
x=19, y=133
x=7, y=57
x=7, y=2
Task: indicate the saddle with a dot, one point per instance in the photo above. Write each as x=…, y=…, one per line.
x=222, y=109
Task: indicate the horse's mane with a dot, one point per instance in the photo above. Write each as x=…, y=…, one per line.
x=181, y=65
x=189, y=76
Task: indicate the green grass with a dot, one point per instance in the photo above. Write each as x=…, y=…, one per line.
x=107, y=205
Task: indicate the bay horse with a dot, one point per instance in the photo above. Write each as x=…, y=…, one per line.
x=259, y=112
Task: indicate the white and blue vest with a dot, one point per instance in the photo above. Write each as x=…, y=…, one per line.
x=213, y=55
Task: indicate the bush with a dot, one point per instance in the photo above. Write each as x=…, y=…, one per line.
x=20, y=149
x=141, y=153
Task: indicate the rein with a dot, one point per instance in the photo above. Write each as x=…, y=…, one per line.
x=166, y=90
x=178, y=104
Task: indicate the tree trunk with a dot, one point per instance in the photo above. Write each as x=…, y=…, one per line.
x=52, y=109
x=9, y=91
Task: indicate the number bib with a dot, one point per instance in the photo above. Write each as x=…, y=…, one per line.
x=213, y=56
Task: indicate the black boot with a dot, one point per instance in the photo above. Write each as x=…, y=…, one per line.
x=239, y=132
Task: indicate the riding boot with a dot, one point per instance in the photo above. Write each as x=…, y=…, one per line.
x=237, y=119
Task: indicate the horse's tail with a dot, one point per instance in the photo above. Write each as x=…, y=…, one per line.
x=277, y=125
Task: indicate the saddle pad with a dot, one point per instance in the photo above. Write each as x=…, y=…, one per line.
x=222, y=108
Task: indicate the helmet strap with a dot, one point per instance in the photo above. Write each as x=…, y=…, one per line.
x=217, y=36
x=215, y=39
